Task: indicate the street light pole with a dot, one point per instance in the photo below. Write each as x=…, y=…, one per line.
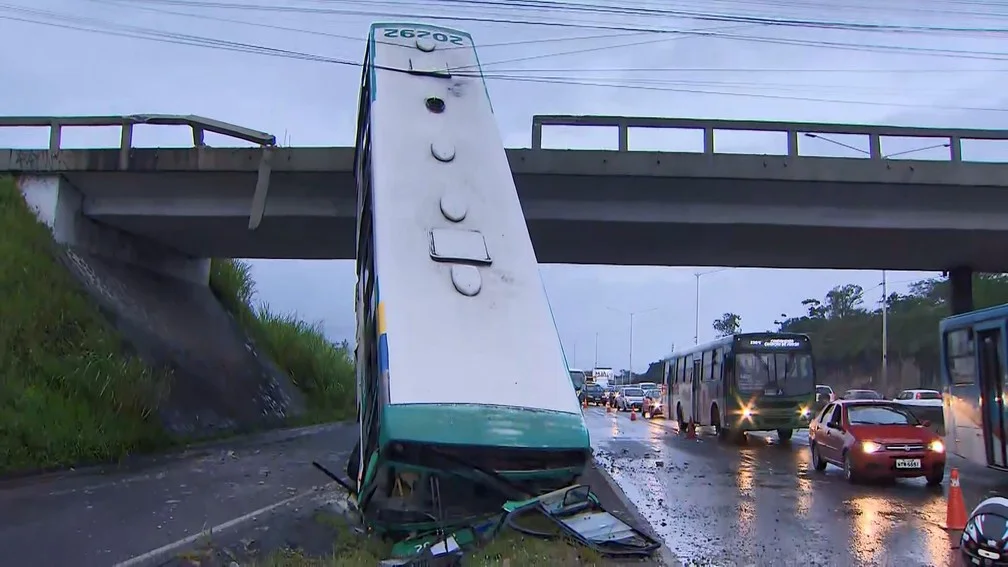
x=885, y=332
x=596, y=351
x=574, y=354
x=630, y=374
x=696, y=316
x=631, y=313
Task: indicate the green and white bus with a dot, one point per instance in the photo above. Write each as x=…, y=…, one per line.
x=744, y=382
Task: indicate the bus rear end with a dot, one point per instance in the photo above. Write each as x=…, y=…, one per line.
x=772, y=383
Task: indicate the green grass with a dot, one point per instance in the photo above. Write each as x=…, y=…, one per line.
x=508, y=549
x=68, y=393
x=320, y=368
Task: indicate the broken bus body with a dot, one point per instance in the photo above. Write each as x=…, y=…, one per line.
x=461, y=378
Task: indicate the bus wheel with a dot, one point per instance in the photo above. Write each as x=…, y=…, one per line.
x=785, y=434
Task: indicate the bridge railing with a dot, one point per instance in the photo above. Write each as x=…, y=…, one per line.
x=875, y=134
x=199, y=125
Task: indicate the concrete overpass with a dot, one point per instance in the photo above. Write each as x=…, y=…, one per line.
x=583, y=206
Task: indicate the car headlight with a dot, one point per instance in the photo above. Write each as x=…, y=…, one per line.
x=870, y=446
x=746, y=413
x=936, y=446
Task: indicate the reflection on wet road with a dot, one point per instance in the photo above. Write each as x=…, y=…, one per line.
x=762, y=503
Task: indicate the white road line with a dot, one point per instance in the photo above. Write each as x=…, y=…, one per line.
x=176, y=545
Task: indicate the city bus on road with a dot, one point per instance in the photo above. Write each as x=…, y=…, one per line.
x=974, y=369
x=743, y=382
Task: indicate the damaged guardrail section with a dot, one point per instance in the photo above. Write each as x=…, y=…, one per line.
x=199, y=125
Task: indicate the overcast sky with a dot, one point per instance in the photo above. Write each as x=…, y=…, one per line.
x=60, y=71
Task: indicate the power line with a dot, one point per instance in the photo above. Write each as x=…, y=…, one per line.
x=856, y=46
x=359, y=40
x=134, y=32
x=580, y=9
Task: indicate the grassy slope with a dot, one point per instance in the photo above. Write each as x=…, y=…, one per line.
x=67, y=393
x=321, y=369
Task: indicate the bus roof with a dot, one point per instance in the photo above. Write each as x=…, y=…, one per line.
x=971, y=317
x=730, y=339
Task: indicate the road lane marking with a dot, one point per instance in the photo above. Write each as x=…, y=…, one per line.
x=177, y=545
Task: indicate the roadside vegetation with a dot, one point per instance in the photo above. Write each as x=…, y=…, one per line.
x=323, y=370
x=71, y=393
x=68, y=392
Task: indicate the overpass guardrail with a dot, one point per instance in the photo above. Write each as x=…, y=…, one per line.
x=794, y=130
x=199, y=125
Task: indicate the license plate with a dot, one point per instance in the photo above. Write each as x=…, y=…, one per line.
x=908, y=463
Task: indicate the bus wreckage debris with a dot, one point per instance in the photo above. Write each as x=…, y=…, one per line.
x=573, y=513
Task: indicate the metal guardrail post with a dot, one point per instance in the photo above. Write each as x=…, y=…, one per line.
x=624, y=137
x=125, y=145
x=955, y=148
x=792, y=143
x=54, y=137
x=536, y=134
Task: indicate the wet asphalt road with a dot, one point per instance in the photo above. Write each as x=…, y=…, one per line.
x=98, y=518
x=762, y=503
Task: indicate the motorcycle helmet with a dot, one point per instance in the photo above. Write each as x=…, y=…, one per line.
x=985, y=539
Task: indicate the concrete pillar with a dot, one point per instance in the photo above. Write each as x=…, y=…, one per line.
x=58, y=204
x=961, y=289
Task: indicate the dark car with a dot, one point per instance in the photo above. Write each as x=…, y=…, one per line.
x=861, y=395
x=593, y=394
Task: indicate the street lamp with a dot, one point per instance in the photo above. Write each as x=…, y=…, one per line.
x=632, y=313
x=885, y=331
x=696, y=319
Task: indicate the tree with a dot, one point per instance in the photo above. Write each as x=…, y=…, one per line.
x=728, y=324
x=844, y=301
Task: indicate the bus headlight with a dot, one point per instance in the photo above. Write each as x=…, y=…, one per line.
x=870, y=446
x=937, y=446
x=805, y=413
x=746, y=413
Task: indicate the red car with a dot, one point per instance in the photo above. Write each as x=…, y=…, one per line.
x=873, y=439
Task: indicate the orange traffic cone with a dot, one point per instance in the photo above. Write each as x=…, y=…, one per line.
x=608, y=407
x=584, y=403
x=691, y=430
x=633, y=415
x=955, y=513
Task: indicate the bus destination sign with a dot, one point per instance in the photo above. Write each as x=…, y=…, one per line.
x=774, y=343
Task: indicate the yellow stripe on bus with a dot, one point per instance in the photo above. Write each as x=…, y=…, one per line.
x=381, y=317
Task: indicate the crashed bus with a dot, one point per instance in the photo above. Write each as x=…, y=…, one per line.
x=463, y=390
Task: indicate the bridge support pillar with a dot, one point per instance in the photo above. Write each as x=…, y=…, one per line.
x=961, y=289
x=60, y=205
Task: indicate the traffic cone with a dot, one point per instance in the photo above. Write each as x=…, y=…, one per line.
x=691, y=430
x=584, y=403
x=955, y=513
x=633, y=415
x=608, y=407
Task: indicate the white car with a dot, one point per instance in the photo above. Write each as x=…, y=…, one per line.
x=928, y=398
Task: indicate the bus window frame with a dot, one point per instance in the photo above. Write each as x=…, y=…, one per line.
x=957, y=378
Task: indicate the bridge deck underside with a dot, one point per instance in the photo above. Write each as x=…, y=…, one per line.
x=582, y=208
